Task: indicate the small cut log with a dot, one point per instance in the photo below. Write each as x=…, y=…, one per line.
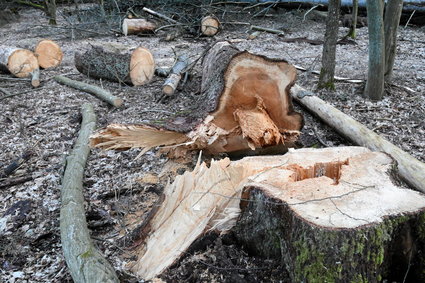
x=19, y=62
x=332, y=214
x=175, y=75
x=244, y=104
x=117, y=63
x=137, y=26
x=409, y=168
x=85, y=262
x=49, y=54
x=210, y=25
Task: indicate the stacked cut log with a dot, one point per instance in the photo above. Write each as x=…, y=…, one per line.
x=117, y=63
x=329, y=215
x=48, y=53
x=20, y=63
x=210, y=25
x=137, y=26
x=244, y=105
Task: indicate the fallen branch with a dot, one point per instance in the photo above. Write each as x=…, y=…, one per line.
x=16, y=163
x=159, y=15
x=15, y=181
x=356, y=81
x=35, y=77
x=278, y=32
x=409, y=168
x=97, y=91
x=84, y=261
x=175, y=75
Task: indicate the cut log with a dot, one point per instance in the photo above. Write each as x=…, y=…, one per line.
x=330, y=214
x=117, y=63
x=175, y=75
x=136, y=26
x=19, y=62
x=409, y=168
x=85, y=262
x=48, y=53
x=210, y=25
x=244, y=104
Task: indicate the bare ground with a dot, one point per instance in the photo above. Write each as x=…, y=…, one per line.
x=46, y=121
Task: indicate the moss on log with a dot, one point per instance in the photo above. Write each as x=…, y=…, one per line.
x=84, y=261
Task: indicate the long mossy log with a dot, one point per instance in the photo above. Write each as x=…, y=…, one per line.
x=244, y=104
x=335, y=215
x=84, y=261
x=410, y=169
x=116, y=63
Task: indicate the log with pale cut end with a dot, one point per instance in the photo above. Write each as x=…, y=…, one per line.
x=210, y=25
x=136, y=26
x=19, y=62
x=49, y=54
x=327, y=214
x=244, y=104
x=117, y=63
x=171, y=83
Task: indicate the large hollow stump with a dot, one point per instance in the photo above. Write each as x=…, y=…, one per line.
x=335, y=216
x=117, y=63
x=19, y=62
x=244, y=104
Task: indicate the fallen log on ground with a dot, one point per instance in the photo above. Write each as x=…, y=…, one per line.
x=327, y=214
x=409, y=168
x=84, y=261
x=19, y=62
x=137, y=26
x=175, y=75
x=97, y=91
x=244, y=104
x=49, y=54
x=117, y=63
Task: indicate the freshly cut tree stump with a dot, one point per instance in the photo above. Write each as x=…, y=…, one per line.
x=48, y=53
x=244, y=104
x=136, y=26
x=117, y=63
x=335, y=216
x=19, y=62
x=330, y=215
x=210, y=25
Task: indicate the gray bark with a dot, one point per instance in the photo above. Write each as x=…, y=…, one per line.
x=391, y=21
x=50, y=7
x=326, y=79
x=352, y=32
x=84, y=261
x=375, y=79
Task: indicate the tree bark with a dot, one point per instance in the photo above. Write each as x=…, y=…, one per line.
x=362, y=228
x=375, y=79
x=97, y=91
x=391, y=22
x=84, y=261
x=326, y=78
x=50, y=9
x=19, y=62
x=409, y=168
x=116, y=63
x=244, y=104
x=352, y=32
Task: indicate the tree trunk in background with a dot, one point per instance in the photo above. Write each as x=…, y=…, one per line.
x=50, y=8
x=326, y=79
x=375, y=79
x=352, y=32
x=391, y=21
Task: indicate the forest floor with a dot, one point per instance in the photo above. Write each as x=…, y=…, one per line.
x=45, y=121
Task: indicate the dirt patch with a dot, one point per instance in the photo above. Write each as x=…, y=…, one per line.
x=118, y=198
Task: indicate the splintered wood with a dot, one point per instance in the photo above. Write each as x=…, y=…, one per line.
x=332, y=190
x=244, y=105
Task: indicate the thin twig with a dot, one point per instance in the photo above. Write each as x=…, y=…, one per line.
x=408, y=21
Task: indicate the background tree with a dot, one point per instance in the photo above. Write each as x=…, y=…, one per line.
x=392, y=19
x=326, y=78
x=352, y=31
x=50, y=9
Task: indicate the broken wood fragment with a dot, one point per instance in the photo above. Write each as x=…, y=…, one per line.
x=137, y=26
x=409, y=168
x=85, y=262
x=175, y=75
x=16, y=163
x=237, y=86
x=269, y=30
x=97, y=91
x=19, y=62
x=49, y=54
x=35, y=77
x=210, y=25
x=117, y=63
